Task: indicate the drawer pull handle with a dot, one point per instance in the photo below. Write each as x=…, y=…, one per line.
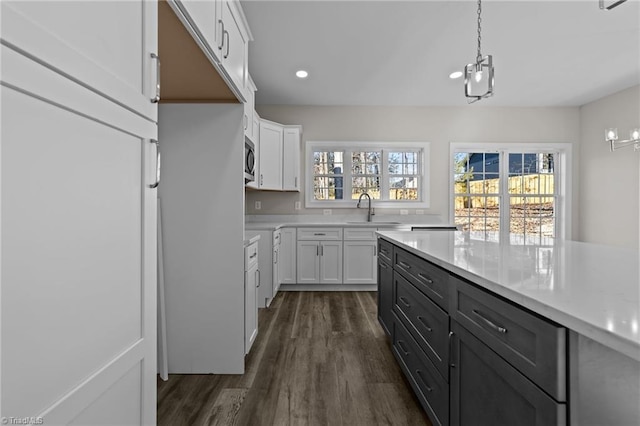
x=402, y=348
x=382, y=265
x=429, y=389
x=253, y=255
x=422, y=320
x=426, y=278
x=404, y=301
x=319, y=233
x=384, y=251
x=404, y=265
x=451, y=363
x=490, y=323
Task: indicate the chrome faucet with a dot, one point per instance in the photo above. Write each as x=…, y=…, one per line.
x=369, y=213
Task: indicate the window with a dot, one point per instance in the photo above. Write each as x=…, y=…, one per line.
x=516, y=191
x=393, y=174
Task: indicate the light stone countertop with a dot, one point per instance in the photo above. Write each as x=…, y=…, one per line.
x=591, y=289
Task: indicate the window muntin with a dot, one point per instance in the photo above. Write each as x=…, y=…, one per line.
x=393, y=174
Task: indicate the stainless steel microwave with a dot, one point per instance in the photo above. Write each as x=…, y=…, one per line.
x=249, y=161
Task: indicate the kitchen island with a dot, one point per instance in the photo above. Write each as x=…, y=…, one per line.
x=577, y=303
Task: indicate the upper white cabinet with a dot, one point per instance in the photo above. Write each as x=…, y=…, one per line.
x=249, y=111
x=271, y=135
x=279, y=157
x=221, y=30
x=109, y=47
x=233, y=47
x=291, y=159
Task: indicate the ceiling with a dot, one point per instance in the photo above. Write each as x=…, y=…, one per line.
x=545, y=53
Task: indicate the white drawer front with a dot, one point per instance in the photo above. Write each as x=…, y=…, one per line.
x=250, y=255
x=333, y=234
x=360, y=234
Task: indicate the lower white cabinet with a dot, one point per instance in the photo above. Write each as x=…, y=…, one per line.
x=360, y=262
x=251, y=284
x=319, y=262
x=287, y=256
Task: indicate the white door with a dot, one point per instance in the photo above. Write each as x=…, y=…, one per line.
x=270, y=156
x=78, y=229
x=360, y=262
x=331, y=262
x=308, y=262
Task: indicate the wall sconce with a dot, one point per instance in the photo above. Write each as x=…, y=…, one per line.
x=611, y=136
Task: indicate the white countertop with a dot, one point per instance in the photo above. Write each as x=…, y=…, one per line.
x=262, y=226
x=589, y=288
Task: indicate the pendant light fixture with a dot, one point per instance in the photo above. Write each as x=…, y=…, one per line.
x=478, y=77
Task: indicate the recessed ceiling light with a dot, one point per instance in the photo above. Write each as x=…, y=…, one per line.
x=455, y=74
x=302, y=74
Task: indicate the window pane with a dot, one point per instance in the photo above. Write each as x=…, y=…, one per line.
x=365, y=162
x=327, y=188
x=328, y=162
x=403, y=163
x=370, y=185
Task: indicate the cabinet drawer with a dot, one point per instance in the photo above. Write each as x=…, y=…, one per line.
x=536, y=347
x=428, y=278
x=385, y=250
x=360, y=234
x=426, y=322
x=250, y=255
x=319, y=234
x=432, y=391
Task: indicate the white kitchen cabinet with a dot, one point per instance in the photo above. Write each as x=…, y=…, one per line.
x=233, y=51
x=360, y=256
x=287, y=256
x=279, y=157
x=220, y=28
x=291, y=159
x=269, y=246
x=81, y=40
x=249, y=110
x=206, y=17
x=270, y=175
x=319, y=256
x=251, y=285
x=78, y=284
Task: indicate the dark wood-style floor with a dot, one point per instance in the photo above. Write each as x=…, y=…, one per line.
x=321, y=358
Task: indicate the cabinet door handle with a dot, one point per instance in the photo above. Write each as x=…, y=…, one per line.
x=429, y=389
x=157, y=182
x=295, y=181
x=404, y=301
x=258, y=279
x=226, y=55
x=425, y=323
x=156, y=98
x=426, y=278
x=375, y=251
x=318, y=250
x=221, y=43
x=451, y=363
x=382, y=265
x=319, y=233
x=275, y=257
x=253, y=255
x=404, y=265
x=490, y=323
x=402, y=348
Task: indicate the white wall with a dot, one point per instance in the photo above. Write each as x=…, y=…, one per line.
x=608, y=207
x=437, y=125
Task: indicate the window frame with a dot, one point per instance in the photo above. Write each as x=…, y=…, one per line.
x=563, y=178
x=422, y=148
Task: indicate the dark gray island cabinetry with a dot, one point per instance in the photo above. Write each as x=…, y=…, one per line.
x=471, y=356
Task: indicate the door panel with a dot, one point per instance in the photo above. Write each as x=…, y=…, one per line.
x=308, y=262
x=331, y=262
x=85, y=41
x=78, y=253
